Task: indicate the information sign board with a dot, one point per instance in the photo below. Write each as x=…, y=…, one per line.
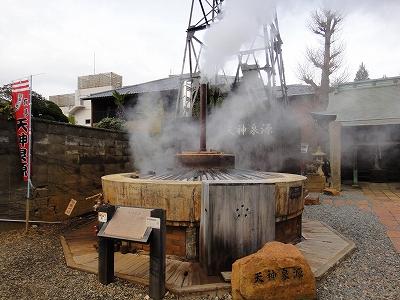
x=129, y=223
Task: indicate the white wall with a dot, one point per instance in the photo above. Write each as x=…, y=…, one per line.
x=81, y=110
x=83, y=114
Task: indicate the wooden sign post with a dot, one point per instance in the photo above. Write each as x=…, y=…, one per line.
x=140, y=225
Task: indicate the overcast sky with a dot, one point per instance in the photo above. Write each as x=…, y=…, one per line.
x=144, y=40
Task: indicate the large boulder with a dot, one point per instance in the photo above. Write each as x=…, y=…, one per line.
x=277, y=271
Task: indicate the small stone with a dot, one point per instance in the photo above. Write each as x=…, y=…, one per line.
x=147, y=297
x=312, y=199
x=331, y=191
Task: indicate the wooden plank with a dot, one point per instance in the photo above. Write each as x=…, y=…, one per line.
x=142, y=269
x=194, y=274
x=281, y=203
x=323, y=251
x=92, y=265
x=122, y=260
x=204, y=224
x=171, y=266
x=83, y=259
x=188, y=281
x=266, y=215
x=200, y=273
x=177, y=278
x=239, y=221
x=131, y=265
x=226, y=276
x=209, y=289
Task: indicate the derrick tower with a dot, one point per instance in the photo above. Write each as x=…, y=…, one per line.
x=263, y=58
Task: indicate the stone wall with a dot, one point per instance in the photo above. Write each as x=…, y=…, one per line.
x=68, y=162
x=63, y=100
x=98, y=80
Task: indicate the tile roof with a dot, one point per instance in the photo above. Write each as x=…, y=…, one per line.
x=296, y=90
x=172, y=83
x=371, y=102
x=164, y=84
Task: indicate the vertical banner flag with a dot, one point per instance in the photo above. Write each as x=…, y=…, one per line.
x=21, y=102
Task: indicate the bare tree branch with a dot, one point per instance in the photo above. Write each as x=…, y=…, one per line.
x=305, y=74
x=327, y=59
x=341, y=78
x=315, y=57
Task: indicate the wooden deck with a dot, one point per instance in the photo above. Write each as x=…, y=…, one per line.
x=181, y=277
x=323, y=248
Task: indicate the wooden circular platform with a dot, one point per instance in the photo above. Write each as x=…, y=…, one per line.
x=323, y=248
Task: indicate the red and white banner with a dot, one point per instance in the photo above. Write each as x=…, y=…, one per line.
x=21, y=102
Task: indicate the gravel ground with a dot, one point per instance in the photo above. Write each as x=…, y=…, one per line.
x=347, y=193
x=32, y=266
x=373, y=270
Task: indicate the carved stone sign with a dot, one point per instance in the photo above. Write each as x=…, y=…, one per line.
x=283, y=274
x=277, y=271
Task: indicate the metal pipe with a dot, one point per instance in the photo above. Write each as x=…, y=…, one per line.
x=203, y=117
x=30, y=221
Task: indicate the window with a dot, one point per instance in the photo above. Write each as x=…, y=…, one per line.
x=87, y=121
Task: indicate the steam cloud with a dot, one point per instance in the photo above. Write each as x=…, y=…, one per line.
x=160, y=136
x=245, y=124
x=240, y=23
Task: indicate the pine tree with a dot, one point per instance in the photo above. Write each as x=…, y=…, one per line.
x=362, y=73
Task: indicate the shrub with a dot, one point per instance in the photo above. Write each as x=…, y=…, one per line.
x=6, y=109
x=111, y=123
x=71, y=120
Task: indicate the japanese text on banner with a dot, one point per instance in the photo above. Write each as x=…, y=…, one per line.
x=20, y=94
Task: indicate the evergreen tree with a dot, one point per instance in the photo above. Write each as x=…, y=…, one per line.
x=41, y=108
x=362, y=73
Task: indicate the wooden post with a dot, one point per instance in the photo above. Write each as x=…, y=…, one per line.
x=355, y=166
x=335, y=145
x=106, y=260
x=203, y=117
x=106, y=250
x=157, y=256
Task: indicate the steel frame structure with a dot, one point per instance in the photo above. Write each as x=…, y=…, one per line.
x=271, y=49
x=189, y=85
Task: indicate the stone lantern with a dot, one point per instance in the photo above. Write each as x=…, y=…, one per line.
x=318, y=157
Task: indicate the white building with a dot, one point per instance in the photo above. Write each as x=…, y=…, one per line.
x=72, y=105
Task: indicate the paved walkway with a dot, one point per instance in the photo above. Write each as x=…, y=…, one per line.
x=383, y=199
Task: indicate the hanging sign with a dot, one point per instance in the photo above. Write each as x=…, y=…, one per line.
x=21, y=102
